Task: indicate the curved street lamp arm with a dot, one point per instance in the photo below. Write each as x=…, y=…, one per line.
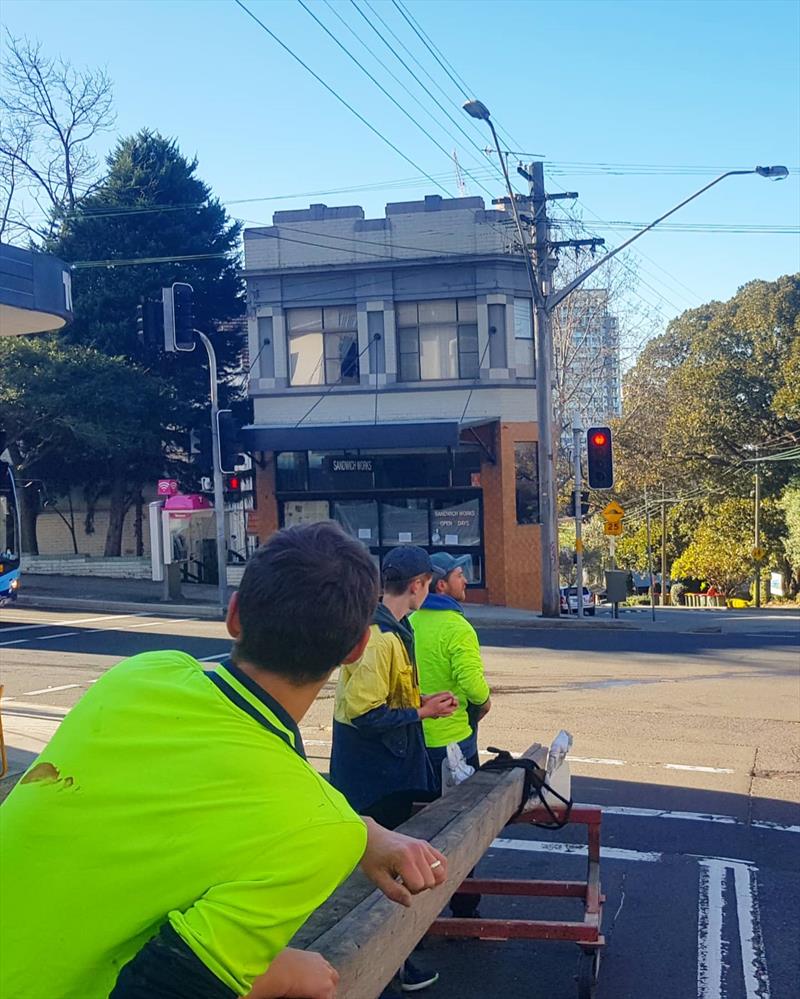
x=555, y=299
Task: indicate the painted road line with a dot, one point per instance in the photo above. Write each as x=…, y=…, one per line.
x=51, y=690
x=699, y=770
x=573, y=850
x=61, y=624
x=709, y=817
x=718, y=878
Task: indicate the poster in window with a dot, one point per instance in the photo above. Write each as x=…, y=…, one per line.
x=457, y=524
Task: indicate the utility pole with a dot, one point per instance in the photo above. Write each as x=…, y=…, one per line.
x=649, y=557
x=219, y=490
x=757, y=532
x=544, y=393
x=577, y=440
x=663, y=546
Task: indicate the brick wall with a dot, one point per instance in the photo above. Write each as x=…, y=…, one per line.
x=80, y=565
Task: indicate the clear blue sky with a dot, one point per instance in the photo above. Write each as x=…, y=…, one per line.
x=675, y=83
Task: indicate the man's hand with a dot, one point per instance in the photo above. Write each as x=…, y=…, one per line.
x=296, y=974
x=400, y=865
x=437, y=705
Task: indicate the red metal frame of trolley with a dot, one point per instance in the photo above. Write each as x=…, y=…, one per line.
x=585, y=933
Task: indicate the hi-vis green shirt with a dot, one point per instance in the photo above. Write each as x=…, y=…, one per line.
x=172, y=794
x=448, y=658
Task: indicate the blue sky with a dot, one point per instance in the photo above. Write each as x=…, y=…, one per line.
x=709, y=83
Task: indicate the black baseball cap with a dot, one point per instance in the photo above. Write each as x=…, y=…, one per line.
x=406, y=562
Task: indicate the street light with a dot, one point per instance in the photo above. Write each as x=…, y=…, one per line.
x=546, y=304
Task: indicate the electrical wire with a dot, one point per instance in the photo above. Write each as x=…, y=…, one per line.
x=338, y=96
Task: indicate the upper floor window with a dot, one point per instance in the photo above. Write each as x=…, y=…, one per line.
x=523, y=337
x=437, y=340
x=323, y=346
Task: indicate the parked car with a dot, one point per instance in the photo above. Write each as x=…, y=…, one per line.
x=569, y=600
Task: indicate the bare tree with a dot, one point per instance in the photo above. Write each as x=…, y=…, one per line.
x=49, y=114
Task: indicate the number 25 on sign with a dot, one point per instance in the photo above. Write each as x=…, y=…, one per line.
x=612, y=527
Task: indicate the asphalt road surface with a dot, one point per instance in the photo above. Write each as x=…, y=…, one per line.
x=688, y=738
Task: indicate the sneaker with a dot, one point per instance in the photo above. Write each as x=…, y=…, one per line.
x=414, y=979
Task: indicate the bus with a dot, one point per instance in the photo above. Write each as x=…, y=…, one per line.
x=10, y=533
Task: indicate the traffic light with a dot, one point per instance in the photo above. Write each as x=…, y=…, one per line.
x=232, y=485
x=600, y=462
x=178, y=307
x=200, y=450
x=149, y=324
x=229, y=449
x=584, y=504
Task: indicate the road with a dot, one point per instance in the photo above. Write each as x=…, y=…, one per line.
x=687, y=735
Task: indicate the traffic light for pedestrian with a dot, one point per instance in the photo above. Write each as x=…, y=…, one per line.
x=229, y=448
x=178, y=306
x=600, y=462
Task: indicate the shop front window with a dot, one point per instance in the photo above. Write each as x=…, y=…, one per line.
x=404, y=522
x=296, y=512
x=456, y=522
x=359, y=518
x=526, y=468
x=437, y=340
x=401, y=469
x=292, y=471
x=323, y=346
x=339, y=470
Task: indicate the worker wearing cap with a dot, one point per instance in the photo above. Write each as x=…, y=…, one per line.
x=449, y=658
x=378, y=757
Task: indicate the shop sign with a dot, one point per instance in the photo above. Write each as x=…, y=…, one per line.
x=456, y=526
x=349, y=465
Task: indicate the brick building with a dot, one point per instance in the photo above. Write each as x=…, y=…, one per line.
x=393, y=384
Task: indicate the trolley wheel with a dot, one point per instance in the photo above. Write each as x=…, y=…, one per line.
x=588, y=970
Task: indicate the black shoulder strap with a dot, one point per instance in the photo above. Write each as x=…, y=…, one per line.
x=535, y=782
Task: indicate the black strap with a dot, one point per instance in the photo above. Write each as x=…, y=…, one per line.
x=535, y=782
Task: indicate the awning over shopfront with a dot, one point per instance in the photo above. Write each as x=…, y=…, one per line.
x=352, y=436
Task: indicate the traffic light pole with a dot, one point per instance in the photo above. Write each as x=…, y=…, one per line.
x=757, y=530
x=219, y=493
x=577, y=441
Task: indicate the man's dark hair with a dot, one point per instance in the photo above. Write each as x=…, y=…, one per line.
x=397, y=587
x=305, y=600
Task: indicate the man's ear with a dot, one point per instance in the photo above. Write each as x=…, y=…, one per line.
x=358, y=650
x=232, y=622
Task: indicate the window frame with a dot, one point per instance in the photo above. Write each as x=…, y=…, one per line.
x=403, y=330
x=326, y=335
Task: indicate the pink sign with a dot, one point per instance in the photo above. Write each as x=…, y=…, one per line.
x=167, y=487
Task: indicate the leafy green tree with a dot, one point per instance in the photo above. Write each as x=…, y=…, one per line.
x=151, y=222
x=78, y=419
x=790, y=504
x=721, y=547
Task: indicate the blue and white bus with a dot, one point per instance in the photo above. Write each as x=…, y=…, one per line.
x=10, y=533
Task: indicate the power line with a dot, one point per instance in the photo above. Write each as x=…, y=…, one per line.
x=339, y=98
x=382, y=89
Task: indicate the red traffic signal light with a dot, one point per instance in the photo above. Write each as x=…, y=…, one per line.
x=233, y=483
x=600, y=462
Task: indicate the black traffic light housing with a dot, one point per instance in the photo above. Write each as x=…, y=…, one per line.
x=600, y=461
x=584, y=504
x=229, y=448
x=149, y=325
x=178, y=308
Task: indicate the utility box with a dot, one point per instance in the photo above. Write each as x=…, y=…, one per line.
x=616, y=585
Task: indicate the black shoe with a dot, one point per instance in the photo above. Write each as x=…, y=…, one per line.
x=414, y=979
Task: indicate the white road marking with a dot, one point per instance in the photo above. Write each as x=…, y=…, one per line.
x=728, y=820
x=599, y=761
x=713, y=949
x=573, y=850
x=50, y=690
x=700, y=770
x=710, y=908
x=754, y=965
x=61, y=624
x=215, y=659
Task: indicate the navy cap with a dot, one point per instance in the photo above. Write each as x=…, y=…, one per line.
x=406, y=562
x=444, y=563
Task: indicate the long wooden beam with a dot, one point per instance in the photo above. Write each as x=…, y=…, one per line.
x=364, y=935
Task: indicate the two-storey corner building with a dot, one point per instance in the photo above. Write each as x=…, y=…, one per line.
x=393, y=384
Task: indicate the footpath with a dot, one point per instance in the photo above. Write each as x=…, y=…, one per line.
x=131, y=596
